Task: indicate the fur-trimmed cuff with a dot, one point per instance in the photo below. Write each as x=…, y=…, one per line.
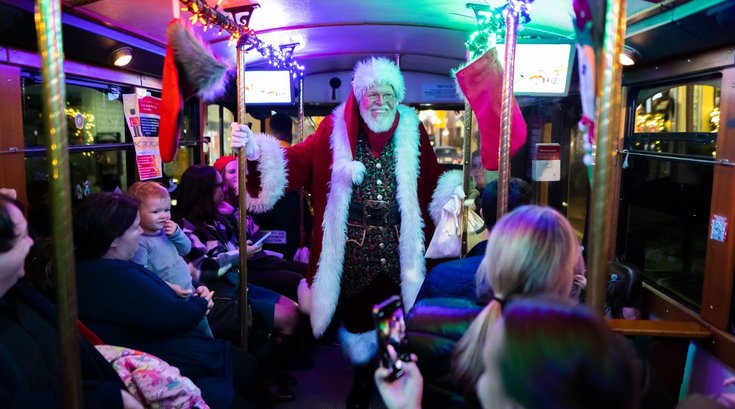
x=445, y=188
x=303, y=293
x=273, y=175
x=360, y=348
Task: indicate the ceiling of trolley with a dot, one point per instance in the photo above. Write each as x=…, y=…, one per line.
x=428, y=35
x=425, y=35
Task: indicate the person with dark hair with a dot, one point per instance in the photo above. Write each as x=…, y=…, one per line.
x=456, y=278
x=267, y=270
x=282, y=128
x=128, y=305
x=211, y=225
x=29, y=346
x=287, y=214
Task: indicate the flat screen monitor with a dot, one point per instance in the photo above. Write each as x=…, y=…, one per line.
x=541, y=69
x=268, y=87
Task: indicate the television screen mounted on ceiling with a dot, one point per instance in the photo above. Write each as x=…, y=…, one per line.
x=541, y=69
x=268, y=87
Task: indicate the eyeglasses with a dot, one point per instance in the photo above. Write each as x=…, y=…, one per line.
x=383, y=97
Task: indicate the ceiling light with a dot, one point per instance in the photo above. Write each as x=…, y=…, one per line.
x=121, y=56
x=629, y=56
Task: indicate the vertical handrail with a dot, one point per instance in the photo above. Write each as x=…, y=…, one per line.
x=301, y=109
x=242, y=199
x=506, y=116
x=466, y=169
x=609, y=92
x=48, y=29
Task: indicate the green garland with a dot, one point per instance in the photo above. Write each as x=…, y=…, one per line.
x=492, y=26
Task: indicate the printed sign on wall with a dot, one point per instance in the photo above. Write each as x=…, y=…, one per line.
x=546, y=163
x=142, y=117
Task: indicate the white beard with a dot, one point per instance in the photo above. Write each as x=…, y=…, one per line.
x=381, y=124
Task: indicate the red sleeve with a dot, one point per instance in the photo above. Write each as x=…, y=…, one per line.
x=301, y=157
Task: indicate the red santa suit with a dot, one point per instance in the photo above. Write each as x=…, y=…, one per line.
x=325, y=162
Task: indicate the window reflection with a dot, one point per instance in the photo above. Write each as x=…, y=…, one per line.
x=692, y=107
x=93, y=116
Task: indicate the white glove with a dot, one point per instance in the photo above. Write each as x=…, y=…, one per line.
x=241, y=135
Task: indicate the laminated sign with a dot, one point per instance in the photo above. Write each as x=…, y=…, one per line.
x=546, y=162
x=142, y=116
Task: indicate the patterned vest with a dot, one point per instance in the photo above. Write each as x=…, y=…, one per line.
x=372, y=248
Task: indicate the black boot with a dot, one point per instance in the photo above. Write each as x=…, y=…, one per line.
x=362, y=387
x=273, y=388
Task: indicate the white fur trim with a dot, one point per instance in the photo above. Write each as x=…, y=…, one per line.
x=377, y=71
x=326, y=284
x=303, y=293
x=361, y=347
x=411, y=242
x=445, y=188
x=273, y=174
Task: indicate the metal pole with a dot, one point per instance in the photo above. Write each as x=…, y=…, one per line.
x=609, y=92
x=50, y=45
x=301, y=109
x=506, y=116
x=466, y=168
x=302, y=192
x=242, y=189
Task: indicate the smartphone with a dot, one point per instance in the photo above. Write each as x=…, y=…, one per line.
x=262, y=239
x=390, y=326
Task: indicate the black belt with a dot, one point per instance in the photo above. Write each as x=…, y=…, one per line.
x=374, y=213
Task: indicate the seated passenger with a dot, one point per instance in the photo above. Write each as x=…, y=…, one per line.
x=29, y=337
x=216, y=252
x=540, y=354
x=128, y=305
x=457, y=278
x=266, y=270
x=531, y=250
x=163, y=244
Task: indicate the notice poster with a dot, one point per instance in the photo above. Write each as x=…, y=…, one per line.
x=142, y=117
x=546, y=162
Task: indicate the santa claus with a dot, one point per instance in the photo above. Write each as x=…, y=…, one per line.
x=376, y=187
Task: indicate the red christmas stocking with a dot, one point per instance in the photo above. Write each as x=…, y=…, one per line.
x=481, y=82
x=172, y=105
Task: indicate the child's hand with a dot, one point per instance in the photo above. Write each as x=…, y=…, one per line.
x=170, y=227
x=253, y=249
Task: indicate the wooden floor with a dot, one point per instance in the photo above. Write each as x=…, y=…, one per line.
x=326, y=385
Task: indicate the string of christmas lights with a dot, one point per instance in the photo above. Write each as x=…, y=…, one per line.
x=491, y=25
x=209, y=17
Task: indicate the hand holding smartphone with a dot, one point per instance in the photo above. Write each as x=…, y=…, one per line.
x=262, y=239
x=391, y=331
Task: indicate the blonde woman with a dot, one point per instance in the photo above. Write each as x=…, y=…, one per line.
x=532, y=250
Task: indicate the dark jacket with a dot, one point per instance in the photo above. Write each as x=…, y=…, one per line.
x=454, y=279
x=128, y=305
x=29, y=357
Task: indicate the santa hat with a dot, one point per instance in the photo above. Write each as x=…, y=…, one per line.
x=189, y=68
x=377, y=71
x=220, y=163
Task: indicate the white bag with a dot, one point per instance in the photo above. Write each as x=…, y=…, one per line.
x=447, y=236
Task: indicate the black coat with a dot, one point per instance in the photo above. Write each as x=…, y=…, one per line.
x=29, y=357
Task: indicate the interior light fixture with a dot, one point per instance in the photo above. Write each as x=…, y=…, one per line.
x=122, y=56
x=629, y=56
